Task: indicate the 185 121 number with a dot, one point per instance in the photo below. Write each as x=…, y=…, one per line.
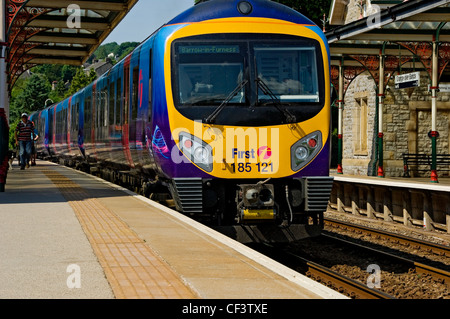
x=247, y=167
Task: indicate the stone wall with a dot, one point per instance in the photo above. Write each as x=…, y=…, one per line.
x=354, y=161
x=406, y=117
x=406, y=123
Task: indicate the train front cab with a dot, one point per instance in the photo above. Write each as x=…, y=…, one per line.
x=263, y=151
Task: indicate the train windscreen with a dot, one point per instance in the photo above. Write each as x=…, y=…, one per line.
x=248, y=79
x=290, y=73
x=209, y=80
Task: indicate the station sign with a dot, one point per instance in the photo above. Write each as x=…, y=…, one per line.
x=443, y=87
x=409, y=80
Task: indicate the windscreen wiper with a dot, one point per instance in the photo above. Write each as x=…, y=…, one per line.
x=290, y=118
x=210, y=119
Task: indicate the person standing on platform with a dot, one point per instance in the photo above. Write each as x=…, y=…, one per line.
x=24, y=136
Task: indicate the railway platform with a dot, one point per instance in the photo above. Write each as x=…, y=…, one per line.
x=413, y=202
x=67, y=234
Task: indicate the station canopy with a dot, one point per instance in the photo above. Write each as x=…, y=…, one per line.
x=58, y=31
x=401, y=33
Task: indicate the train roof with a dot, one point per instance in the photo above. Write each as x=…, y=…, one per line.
x=216, y=9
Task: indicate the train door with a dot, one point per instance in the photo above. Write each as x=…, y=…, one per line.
x=87, y=129
x=126, y=112
x=65, y=127
x=101, y=118
x=136, y=81
x=81, y=118
x=53, y=130
x=74, y=105
x=111, y=114
x=69, y=125
x=42, y=142
x=104, y=119
x=143, y=125
x=118, y=148
x=94, y=120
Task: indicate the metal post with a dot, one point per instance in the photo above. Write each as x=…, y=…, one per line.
x=4, y=100
x=341, y=103
x=380, y=114
x=434, y=88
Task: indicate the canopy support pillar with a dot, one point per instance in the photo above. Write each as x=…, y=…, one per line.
x=340, y=115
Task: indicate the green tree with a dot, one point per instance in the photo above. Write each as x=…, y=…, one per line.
x=55, y=72
x=68, y=72
x=313, y=10
x=118, y=50
x=12, y=129
x=125, y=52
x=32, y=97
x=103, y=51
x=59, y=93
x=81, y=80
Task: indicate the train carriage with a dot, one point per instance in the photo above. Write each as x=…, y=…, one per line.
x=227, y=107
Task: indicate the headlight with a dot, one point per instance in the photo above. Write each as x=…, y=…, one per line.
x=301, y=153
x=196, y=150
x=305, y=150
x=201, y=155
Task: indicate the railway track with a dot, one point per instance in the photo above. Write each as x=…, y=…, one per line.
x=337, y=281
x=438, y=274
x=321, y=273
x=399, y=277
x=413, y=243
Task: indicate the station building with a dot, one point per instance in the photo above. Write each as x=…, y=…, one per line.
x=369, y=37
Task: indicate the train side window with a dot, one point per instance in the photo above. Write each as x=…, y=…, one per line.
x=118, y=101
x=126, y=94
x=100, y=108
x=77, y=114
x=112, y=105
x=66, y=126
x=105, y=106
x=87, y=112
x=96, y=108
x=70, y=112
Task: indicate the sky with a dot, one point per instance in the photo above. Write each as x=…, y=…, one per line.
x=145, y=17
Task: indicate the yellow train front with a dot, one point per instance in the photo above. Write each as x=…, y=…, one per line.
x=245, y=97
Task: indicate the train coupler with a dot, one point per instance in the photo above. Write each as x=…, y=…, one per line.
x=256, y=203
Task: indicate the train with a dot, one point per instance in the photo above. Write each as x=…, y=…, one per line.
x=224, y=110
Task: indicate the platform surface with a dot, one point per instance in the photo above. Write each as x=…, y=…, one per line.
x=66, y=234
x=443, y=184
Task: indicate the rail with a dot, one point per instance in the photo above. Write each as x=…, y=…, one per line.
x=423, y=245
x=341, y=283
